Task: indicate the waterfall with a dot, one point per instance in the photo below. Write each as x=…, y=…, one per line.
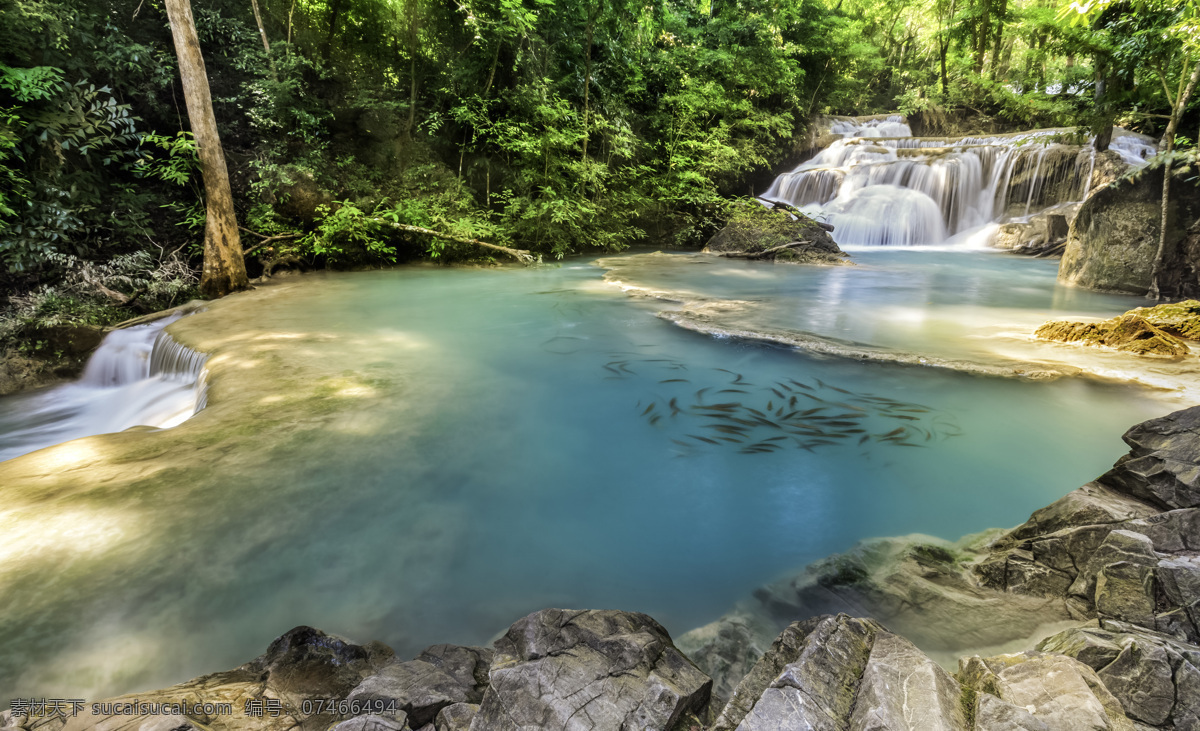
x=138, y=376
x=880, y=186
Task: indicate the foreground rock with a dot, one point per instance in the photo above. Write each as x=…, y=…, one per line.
x=755, y=232
x=1181, y=319
x=1128, y=333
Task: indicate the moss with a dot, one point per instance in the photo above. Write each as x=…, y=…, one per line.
x=1181, y=319
x=967, y=700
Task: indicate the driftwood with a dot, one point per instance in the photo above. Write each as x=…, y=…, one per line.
x=266, y=240
x=765, y=253
x=519, y=254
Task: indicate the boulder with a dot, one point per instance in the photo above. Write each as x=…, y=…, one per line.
x=1057, y=690
x=564, y=669
x=1125, y=591
x=993, y=714
x=1127, y=334
x=373, y=722
x=416, y=687
x=1118, y=545
x=754, y=231
x=903, y=690
x=807, y=679
x=726, y=650
x=1151, y=674
x=307, y=664
x=467, y=665
x=1114, y=238
x=456, y=717
x=1163, y=465
x=1181, y=319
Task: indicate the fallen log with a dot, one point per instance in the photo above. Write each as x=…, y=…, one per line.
x=519, y=254
x=766, y=253
x=778, y=206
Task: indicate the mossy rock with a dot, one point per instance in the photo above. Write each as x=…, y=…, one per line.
x=1181, y=319
x=1128, y=333
x=752, y=229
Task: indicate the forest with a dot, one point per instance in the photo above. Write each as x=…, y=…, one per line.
x=366, y=132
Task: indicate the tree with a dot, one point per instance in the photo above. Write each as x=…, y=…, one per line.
x=224, y=265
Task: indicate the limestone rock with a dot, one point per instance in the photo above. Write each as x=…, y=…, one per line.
x=903, y=690
x=1127, y=334
x=306, y=663
x=467, y=665
x=417, y=687
x=993, y=714
x=456, y=717
x=1163, y=466
x=1060, y=692
x=807, y=679
x=1142, y=680
x=726, y=650
x=1125, y=591
x=753, y=229
x=1114, y=238
x=1118, y=545
x=562, y=669
x=1181, y=319
x=1092, y=504
x=373, y=723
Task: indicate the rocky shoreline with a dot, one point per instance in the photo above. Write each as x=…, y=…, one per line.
x=1113, y=568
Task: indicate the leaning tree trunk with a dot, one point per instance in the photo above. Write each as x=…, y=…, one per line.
x=1181, y=101
x=224, y=265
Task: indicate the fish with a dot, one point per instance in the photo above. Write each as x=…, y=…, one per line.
x=655, y=419
x=893, y=433
x=717, y=407
x=732, y=390
x=727, y=429
x=774, y=439
x=703, y=439
x=902, y=416
x=842, y=423
x=792, y=401
x=612, y=370
x=810, y=412
x=673, y=403
x=803, y=445
x=675, y=380
x=700, y=393
x=731, y=440
x=778, y=393
x=864, y=439
x=797, y=383
x=682, y=444
x=648, y=409
x=770, y=406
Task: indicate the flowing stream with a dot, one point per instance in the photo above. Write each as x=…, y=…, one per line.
x=424, y=455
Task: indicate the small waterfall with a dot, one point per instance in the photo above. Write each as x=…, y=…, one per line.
x=139, y=376
x=880, y=186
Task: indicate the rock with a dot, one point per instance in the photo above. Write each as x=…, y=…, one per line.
x=1042, y=234
x=993, y=714
x=1092, y=504
x=1142, y=680
x=1163, y=465
x=1172, y=531
x=307, y=664
x=1124, y=591
x=1059, y=691
x=373, y=723
x=903, y=690
x=1118, y=545
x=753, y=229
x=726, y=650
x=1127, y=334
x=807, y=679
x=417, y=687
x=560, y=669
x=456, y=717
x=1114, y=238
x=467, y=665
x=1181, y=319
x=1093, y=647
x=1179, y=578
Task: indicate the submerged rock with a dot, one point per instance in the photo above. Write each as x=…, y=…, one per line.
x=1128, y=334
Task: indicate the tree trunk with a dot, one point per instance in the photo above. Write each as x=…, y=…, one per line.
x=999, y=40
x=944, y=47
x=262, y=32
x=224, y=266
x=983, y=30
x=414, y=29
x=1177, y=110
x=587, y=85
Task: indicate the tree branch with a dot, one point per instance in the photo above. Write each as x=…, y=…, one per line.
x=519, y=254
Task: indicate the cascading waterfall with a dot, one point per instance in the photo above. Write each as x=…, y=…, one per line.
x=880, y=186
x=139, y=376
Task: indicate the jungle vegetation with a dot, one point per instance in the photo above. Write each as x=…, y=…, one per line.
x=363, y=132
